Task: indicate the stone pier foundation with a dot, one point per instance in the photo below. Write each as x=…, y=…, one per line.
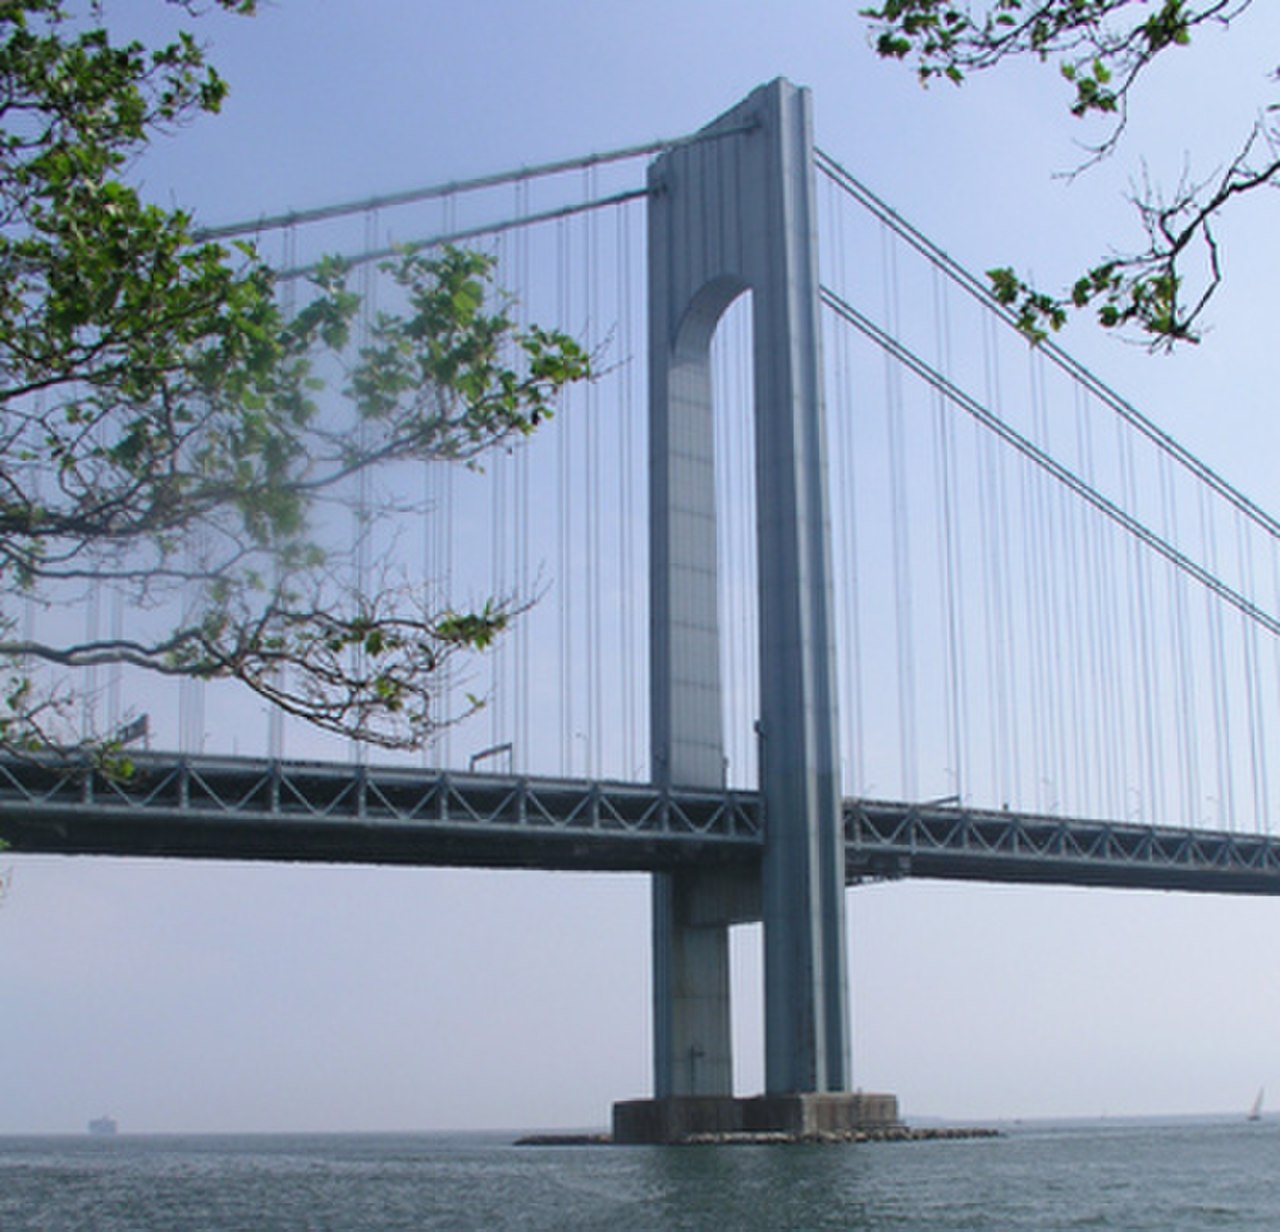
x=809, y=1115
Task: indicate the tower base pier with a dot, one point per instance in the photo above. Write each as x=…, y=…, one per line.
x=800, y=1117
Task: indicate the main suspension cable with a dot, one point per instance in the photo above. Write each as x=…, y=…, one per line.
x=412, y=196
x=1037, y=455
x=971, y=284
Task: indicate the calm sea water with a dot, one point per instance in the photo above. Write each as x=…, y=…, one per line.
x=1191, y=1175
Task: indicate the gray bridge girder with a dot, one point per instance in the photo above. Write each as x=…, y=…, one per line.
x=247, y=809
x=884, y=839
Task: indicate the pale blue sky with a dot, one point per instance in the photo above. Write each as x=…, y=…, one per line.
x=203, y=997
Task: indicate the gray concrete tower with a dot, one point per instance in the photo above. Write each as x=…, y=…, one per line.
x=729, y=212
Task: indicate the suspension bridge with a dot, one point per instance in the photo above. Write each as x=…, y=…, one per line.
x=922, y=601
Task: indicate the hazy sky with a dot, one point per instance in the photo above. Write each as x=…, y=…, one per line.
x=228, y=997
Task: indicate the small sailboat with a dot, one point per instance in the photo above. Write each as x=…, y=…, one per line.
x=1255, y=1113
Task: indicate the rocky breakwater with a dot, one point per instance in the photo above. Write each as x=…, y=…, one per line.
x=888, y=1133
x=895, y=1133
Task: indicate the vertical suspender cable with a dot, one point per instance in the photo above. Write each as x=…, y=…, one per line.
x=1005, y=524
x=1274, y=691
x=1074, y=599
x=191, y=692
x=1188, y=756
x=563, y=512
x=89, y=697
x=288, y=304
x=442, y=517
x=523, y=575
x=1035, y=610
x=629, y=597
x=900, y=537
x=500, y=537
x=1055, y=585
x=115, y=672
x=362, y=522
x=992, y=596
x=1149, y=682
x=947, y=550
x=1085, y=618
x=1217, y=666
x=595, y=511
x=1249, y=656
x=1049, y=566
x=849, y=589
x=1112, y=576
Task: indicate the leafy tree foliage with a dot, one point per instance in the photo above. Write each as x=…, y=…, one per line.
x=1101, y=48
x=163, y=430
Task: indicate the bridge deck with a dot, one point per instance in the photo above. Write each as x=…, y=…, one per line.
x=247, y=809
x=885, y=839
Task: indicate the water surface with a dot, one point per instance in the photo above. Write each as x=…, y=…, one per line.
x=1166, y=1176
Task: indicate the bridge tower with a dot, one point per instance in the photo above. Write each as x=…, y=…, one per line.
x=732, y=211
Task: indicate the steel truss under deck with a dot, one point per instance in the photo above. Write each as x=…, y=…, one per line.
x=243, y=809
x=247, y=809
x=898, y=840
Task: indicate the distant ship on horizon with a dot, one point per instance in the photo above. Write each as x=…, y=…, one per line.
x=103, y=1126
